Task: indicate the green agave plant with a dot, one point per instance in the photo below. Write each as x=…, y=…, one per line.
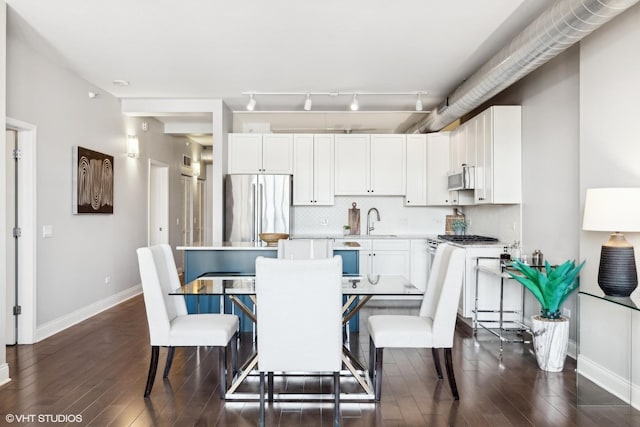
x=551, y=287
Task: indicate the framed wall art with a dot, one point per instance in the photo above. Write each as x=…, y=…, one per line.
x=92, y=181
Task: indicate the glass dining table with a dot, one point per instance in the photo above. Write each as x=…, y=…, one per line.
x=356, y=291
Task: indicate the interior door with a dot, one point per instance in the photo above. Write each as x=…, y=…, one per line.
x=11, y=243
x=158, y=203
x=187, y=204
x=199, y=201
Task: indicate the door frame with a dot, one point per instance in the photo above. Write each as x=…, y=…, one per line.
x=27, y=265
x=165, y=188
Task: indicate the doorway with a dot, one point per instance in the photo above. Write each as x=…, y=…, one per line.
x=20, y=202
x=158, y=203
x=11, y=144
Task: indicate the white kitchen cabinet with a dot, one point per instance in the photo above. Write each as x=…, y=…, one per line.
x=388, y=165
x=260, y=153
x=245, y=153
x=383, y=257
x=437, y=168
x=470, y=143
x=417, y=170
x=499, y=155
x=419, y=263
x=458, y=148
x=313, y=170
x=370, y=165
x=352, y=164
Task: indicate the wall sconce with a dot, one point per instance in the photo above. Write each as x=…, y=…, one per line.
x=133, y=148
x=196, y=168
x=614, y=210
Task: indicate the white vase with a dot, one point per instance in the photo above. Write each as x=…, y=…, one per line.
x=550, y=342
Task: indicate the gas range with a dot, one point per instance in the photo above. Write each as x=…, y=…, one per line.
x=466, y=239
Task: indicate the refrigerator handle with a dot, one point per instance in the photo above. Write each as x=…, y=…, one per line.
x=260, y=208
x=254, y=221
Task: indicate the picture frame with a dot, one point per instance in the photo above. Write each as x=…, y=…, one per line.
x=92, y=182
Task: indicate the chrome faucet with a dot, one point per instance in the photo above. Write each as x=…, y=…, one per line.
x=370, y=227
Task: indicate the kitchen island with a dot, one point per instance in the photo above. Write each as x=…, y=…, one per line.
x=237, y=259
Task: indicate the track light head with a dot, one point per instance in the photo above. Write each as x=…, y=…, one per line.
x=355, y=105
x=251, y=105
x=419, y=102
x=307, y=103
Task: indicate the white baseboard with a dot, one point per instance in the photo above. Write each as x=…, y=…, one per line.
x=4, y=374
x=572, y=350
x=57, y=325
x=610, y=381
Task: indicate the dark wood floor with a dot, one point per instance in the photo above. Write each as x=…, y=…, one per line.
x=97, y=370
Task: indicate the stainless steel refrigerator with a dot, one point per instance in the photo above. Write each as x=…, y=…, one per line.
x=256, y=204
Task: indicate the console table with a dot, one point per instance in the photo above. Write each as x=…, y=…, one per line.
x=608, y=337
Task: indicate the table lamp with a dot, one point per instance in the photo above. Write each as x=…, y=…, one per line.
x=615, y=210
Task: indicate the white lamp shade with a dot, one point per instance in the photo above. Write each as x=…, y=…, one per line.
x=612, y=209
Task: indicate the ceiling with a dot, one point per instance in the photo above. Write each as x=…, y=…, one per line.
x=220, y=49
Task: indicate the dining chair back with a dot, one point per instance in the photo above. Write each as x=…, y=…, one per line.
x=169, y=323
x=442, y=294
x=305, y=249
x=433, y=328
x=304, y=298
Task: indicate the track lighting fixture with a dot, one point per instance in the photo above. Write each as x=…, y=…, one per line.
x=355, y=105
x=307, y=103
x=419, y=102
x=252, y=103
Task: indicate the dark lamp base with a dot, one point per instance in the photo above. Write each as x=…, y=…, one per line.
x=617, y=275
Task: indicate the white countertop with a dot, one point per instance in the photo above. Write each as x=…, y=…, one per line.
x=361, y=236
x=245, y=246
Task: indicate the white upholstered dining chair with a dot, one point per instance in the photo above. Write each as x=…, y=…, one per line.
x=169, y=323
x=432, y=328
x=305, y=249
x=303, y=298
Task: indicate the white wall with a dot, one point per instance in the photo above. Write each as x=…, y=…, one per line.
x=609, y=156
x=85, y=249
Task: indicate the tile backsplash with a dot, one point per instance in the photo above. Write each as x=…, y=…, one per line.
x=395, y=218
x=501, y=221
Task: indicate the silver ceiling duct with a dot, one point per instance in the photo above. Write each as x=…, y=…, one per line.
x=559, y=27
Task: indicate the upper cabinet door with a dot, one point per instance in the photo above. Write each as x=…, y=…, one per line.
x=277, y=153
x=437, y=167
x=352, y=165
x=506, y=136
x=484, y=167
x=388, y=165
x=417, y=170
x=313, y=169
x=323, y=169
x=303, y=170
x=245, y=153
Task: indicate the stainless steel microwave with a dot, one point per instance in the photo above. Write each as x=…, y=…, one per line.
x=463, y=179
